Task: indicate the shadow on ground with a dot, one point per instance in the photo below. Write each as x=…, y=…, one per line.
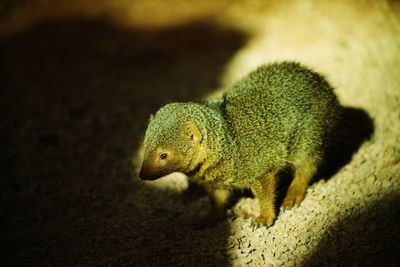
x=74, y=103
x=355, y=127
x=361, y=239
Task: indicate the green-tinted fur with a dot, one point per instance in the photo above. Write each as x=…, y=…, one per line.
x=281, y=115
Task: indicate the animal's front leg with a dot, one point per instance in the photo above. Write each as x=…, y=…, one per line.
x=264, y=190
x=298, y=187
x=219, y=199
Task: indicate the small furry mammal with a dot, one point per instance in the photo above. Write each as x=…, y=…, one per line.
x=279, y=116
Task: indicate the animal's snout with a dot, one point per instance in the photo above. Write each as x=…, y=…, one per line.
x=146, y=173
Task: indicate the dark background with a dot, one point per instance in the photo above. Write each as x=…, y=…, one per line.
x=75, y=99
x=77, y=85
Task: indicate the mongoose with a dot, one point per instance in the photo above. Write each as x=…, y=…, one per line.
x=279, y=116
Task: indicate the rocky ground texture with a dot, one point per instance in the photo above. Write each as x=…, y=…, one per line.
x=78, y=82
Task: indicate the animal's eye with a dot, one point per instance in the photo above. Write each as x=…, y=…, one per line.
x=163, y=156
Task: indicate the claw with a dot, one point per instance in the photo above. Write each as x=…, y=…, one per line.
x=254, y=226
x=292, y=200
x=259, y=222
x=284, y=207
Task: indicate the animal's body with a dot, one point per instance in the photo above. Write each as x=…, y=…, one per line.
x=279, y=116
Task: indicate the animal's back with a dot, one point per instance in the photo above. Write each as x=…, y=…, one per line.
x=280, y=114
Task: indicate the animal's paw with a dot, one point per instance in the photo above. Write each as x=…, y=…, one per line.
x=292, y=200
x=284, y=208
x=262, y=221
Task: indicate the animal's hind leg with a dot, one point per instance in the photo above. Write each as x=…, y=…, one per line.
x=298, y=187
x=264, y=189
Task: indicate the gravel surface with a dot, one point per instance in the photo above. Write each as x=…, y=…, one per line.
x=78, y=82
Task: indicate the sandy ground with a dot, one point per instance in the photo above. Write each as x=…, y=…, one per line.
x=78, y=82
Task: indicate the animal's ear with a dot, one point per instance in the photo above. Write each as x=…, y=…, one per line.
x=191, y=132
x=151, y=117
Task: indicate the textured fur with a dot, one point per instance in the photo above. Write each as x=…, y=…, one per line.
x=279, y=116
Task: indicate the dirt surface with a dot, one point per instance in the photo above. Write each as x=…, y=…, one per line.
x=78, y=82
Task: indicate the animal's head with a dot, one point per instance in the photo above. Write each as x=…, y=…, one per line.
x=171, y=144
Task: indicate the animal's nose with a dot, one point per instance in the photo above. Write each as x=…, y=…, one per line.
x=141, y=173
x=146, y=174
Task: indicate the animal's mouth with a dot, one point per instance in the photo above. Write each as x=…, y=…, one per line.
x=150, y=174
x=146, y=175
